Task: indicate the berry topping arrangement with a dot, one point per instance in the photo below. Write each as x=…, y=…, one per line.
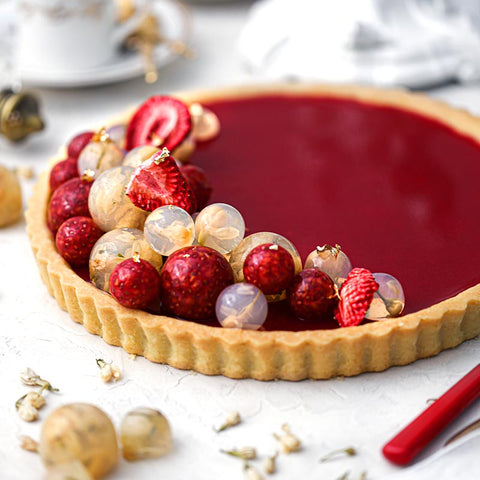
x=240, y=221
x=127, y=203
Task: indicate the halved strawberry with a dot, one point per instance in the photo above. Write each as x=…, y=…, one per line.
x=356, y=295
x=161, y=121
x=158, y=182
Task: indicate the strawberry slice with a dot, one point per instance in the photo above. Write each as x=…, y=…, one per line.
x=356, y=296
x=161, y=121
x=158, y=182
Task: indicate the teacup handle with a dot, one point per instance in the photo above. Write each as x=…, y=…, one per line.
x=124, y=29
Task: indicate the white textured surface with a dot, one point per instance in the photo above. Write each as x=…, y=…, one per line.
x=364, y=411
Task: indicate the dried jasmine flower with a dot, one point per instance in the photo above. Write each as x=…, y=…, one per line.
x=30, y=378
x=269, y=465
x=28, y=405
x=252, y=473
x=245, y=453
x=232, y=419
x=288, y=442
x=346, y=476
x=28, y=443
x=27, y=412
x=35, y=399
x=349, y=451
x=108, y=371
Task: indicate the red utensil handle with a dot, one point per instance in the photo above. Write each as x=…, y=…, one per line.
x=406, y=445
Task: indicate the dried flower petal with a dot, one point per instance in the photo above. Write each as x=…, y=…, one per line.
x=245, y=453
x=35, y=399
x=252, y=474
x=116, y=373
x=288, y=442
x=269, y=466
x=108, y=371
x=248, y=453
x=29, y=377
x=28, y=413
x=232, y=419
x=28, y=443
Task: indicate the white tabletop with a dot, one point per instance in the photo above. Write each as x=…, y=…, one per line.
x=363, y=411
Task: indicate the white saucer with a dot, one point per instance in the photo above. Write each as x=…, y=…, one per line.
x=174, y=20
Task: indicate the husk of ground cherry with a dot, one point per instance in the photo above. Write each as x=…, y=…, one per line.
x=82, y=432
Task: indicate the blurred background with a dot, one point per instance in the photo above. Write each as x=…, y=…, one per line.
x=76, y=75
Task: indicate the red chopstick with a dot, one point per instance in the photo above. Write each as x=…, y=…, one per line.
x=406, y=445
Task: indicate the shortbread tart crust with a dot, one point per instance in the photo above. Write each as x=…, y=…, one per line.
x=265, y=355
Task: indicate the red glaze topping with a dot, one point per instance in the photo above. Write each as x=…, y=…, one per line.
x=398, y=191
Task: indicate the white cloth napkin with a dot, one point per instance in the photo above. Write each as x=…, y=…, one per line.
x=403, y=42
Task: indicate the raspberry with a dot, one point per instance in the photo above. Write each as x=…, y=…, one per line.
x=192, y=279
x=62, y=172
x=68, y=200
x=270, y=268
x=75, y=239
x=312, y=295
x=135, y=283
x=78, y=143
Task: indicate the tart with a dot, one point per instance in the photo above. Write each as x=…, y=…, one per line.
x=389, y=175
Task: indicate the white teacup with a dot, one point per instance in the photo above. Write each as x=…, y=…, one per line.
x=69, y=35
